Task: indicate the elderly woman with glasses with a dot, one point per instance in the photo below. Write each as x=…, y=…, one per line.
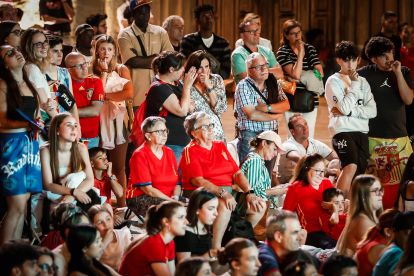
x=207, y=163
x=154, y=174
x=305, y=198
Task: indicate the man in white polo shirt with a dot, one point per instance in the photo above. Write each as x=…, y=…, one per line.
x=300, y=144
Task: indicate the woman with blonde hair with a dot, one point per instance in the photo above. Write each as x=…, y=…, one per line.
x=364, y=208
x=105, y=66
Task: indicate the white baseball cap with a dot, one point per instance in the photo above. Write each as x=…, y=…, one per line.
x=274, y=137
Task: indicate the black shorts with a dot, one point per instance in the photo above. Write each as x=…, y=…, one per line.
x=352, y=148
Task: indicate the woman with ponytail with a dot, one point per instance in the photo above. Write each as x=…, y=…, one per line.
x=19, y=159
x=242, y=256
x=85, y=246
x=154, y=253
x=167, y=95
x=374, y=242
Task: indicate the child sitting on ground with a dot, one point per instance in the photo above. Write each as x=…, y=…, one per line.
x=336, y=197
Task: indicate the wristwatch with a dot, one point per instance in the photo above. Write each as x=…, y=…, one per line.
x=209, y=90
x=112, y=177
x=222, y=193
x=250, y=192
x=269, y=108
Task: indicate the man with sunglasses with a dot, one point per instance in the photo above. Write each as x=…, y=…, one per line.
x=89, y=94
x=250, y=33
x=254, y=116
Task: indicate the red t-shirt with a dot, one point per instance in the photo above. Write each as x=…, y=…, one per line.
x=338, y=228
x=147, y=169
x=91, y=89
x=152, y=250
x=215, y=165
x=306, y=202
x=104, y=185
x=52, y=240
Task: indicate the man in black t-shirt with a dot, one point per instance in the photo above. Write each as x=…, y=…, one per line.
x=392, y=87
x=57, y=15
x=389, y=22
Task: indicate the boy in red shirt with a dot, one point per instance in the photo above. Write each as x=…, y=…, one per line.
x=105, y=181
x=336, y=197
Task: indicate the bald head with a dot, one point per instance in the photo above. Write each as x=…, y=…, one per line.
x=73, y=61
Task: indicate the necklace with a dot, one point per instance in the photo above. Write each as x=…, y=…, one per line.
x=20, y=83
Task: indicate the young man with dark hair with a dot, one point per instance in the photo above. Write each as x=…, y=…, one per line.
x=217, y=47
x=389, y=23
x=98, y=22
x=18, y=258
x=351, y=105
x=340, y=265
x=8, y=13
x=392, y=87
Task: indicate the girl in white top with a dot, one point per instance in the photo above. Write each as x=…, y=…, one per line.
x=114, y=240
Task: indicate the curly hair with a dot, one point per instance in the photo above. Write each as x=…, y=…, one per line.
x=202, y=8
x=377, y=46
x=95, y=19
x=346, y=50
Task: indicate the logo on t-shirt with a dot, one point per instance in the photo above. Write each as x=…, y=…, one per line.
x=54, y=6
x=335, y=99
x=89, y=93
x=224, y=155
x=342, y=144
x=385, y=83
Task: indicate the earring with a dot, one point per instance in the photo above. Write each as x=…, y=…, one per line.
x=149, y=139
x=57, y=134
x=197, y=213
x=84, y=250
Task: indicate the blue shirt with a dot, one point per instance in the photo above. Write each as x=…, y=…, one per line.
x=388, y=261
x=267, y=258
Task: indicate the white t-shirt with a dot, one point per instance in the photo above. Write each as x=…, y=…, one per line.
x=286, y=166
x=38, y=78
x=114, y=251
x=208, y=41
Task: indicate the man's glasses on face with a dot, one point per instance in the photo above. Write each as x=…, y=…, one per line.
x=252, y=32
x=42, y=44
x=259, y=67
x=79, y=66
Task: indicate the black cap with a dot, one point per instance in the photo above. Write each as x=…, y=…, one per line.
x=403, y=221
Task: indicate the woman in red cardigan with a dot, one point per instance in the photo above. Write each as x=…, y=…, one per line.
x=304, y=197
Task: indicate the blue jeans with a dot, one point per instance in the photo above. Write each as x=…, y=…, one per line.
x=93, y=142
x=243, y=148
x=178, y=151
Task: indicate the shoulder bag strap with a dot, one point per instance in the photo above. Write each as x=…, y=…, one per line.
x=141, y=44
x=247, y=49
x=257, y=90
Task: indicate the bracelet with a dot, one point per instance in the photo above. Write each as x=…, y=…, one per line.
x=104, y=72
x=72, y=192
x=222, y=193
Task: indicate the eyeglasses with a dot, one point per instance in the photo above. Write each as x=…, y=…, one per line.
x=161, y=132
x=48, y=268
x=79, y=66
x=17, y=32
x=259, y=67
x=206, y=127
x=11, y=52
x=378, y=192
x=295, y=34
x=252, y=32
x=319, y=172
x=42, y=44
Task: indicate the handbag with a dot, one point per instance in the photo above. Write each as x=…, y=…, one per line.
x=302, y=101
x=238, y=227
x=65, y=98
x=288, y=86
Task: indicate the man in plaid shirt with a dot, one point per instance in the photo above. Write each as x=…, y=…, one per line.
x=254, y=115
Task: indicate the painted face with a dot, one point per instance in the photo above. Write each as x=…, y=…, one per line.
x=205, y=270
x=12, y=57
x=316, y=173
x=248, y=263
x=40, y=46
x=294, y=35
x=158, y=134
x=300, y=128
x=100, y=161
x=95, y=250
x=178, y=222
x=263, y=73
x=102, y=28
x=104, y=222
x=291, y=238
x=347, y=65
x=46, y=266
x=384, y=61
x=56, y=55
x=208, y=212
x=377, y=192
x=176, y=31
x=106, y=51
x=68, y=130
x=13, y=39
x=251, y=34
x=204, y=68
x=204, y=130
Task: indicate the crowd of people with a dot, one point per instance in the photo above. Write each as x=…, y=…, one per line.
x=96, y=133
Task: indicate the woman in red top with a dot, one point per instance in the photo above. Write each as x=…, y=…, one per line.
x=154, y=174
x=207, y=163
x=374, y=242
x=305, y=197
x=153, y=254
